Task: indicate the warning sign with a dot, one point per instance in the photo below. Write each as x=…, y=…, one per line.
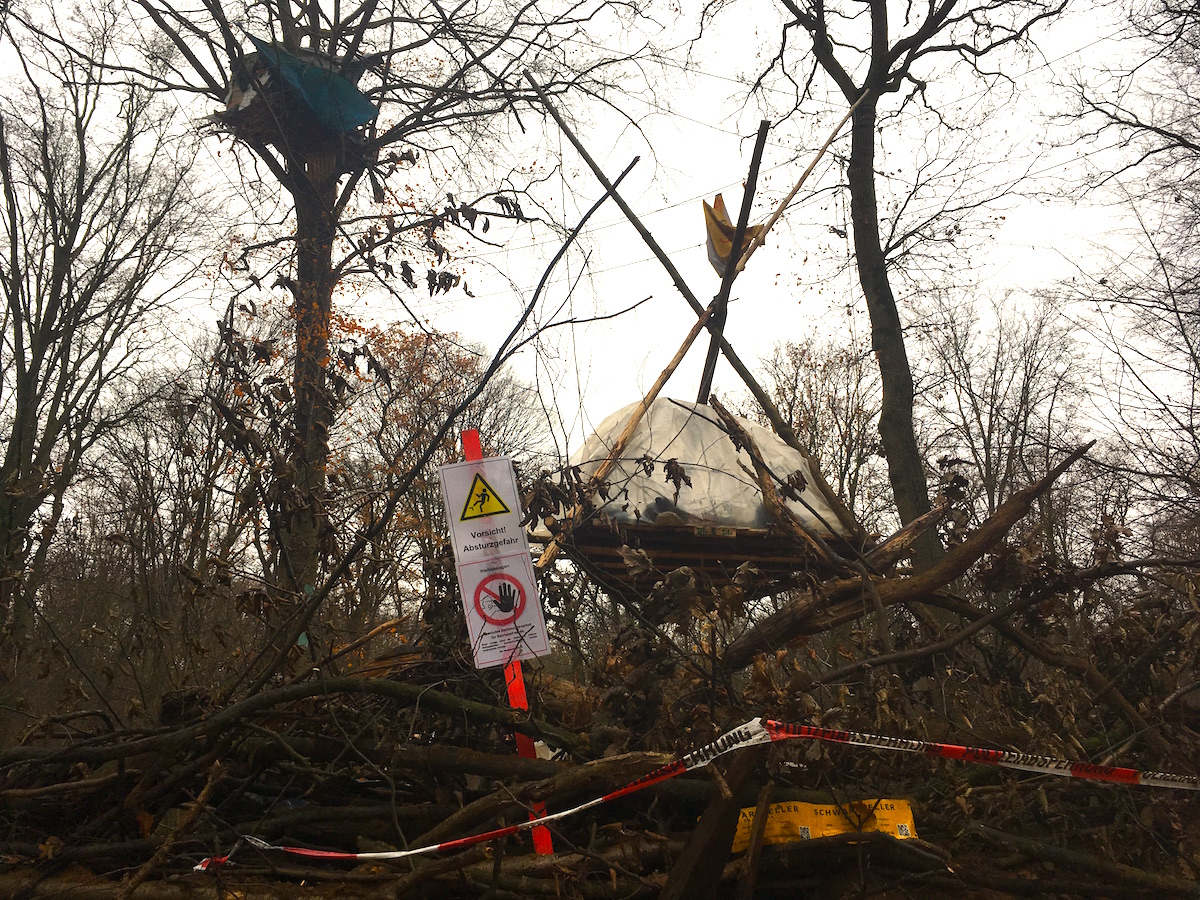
x=482, y=501
x=482, y=509
x=787, y=822
x=504, y=617
x=495, y=571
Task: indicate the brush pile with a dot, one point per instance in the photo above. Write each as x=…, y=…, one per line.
x=398, y=743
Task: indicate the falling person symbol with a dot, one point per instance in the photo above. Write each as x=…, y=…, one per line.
x=482, y=501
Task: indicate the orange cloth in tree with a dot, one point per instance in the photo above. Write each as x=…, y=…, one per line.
x=720, y=234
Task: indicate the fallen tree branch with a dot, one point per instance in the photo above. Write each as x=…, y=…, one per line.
x=426, y=870
x=391, y=624
x=841, y=601
x=1083, y=669
x=222, y=720
x=893, y=549
x=542, y=872
x=511, y=799
x=927, y=650
x=1130, y=876
x=185, y=825
x=992, y=880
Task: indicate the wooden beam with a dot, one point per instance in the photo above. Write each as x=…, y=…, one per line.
x=696, y=874
x=721, y=302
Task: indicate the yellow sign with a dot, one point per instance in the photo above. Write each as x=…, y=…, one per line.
x=482, y=501
x=788, y=821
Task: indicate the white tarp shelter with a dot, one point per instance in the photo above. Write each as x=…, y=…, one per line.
x=722, y=492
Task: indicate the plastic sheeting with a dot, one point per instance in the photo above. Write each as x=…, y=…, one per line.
x=335, y=103
x=721, y=491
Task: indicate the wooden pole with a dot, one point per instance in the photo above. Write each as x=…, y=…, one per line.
x=721, y=303
x=696, y=873
x=754, y=849
x=761, y=238
x=514, y=680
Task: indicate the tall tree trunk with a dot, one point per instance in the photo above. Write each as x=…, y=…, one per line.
x=16, y=616
x=906, y=469
x=22, y=491
x=302, y=523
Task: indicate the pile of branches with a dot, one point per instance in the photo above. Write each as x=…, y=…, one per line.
x=986, y=648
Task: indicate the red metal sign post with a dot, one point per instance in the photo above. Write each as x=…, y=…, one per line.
x=514, y=679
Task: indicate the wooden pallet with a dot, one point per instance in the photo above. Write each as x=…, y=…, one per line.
x=716, y=551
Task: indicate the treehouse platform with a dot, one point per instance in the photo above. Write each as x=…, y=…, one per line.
x=687, y=489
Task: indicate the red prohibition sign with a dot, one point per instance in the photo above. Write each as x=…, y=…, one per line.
x=505, y=597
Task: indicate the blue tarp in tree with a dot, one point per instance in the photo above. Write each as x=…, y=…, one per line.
x=334, y=102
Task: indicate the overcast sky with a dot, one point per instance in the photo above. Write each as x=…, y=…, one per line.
x=694, y=138
x=697, y=141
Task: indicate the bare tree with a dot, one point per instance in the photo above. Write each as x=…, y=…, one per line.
x=1144, y=316
x=416, y=382
x=1010, y=384
x=154, y=557
x=829, y=395
x=96, y=219
x=1146, y=302
x=868, y=52
x=168, y=535
x=348, y=111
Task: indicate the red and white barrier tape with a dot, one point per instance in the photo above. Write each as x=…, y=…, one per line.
x=764, y=731
x=747, y=735
x=1026, y=762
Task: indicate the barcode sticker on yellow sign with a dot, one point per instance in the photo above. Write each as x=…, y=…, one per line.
x=794, y=821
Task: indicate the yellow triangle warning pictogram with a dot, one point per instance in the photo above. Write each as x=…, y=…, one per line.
x=482, y=501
